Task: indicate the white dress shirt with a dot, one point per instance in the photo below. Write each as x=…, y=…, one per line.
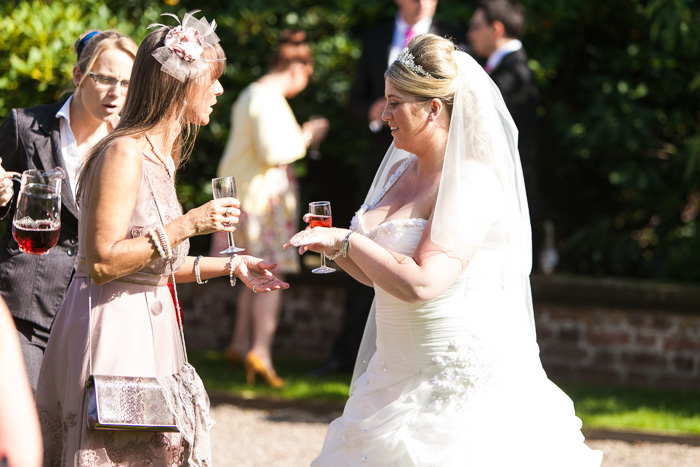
x=401, y=28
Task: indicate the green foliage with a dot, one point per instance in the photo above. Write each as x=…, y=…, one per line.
x=37, y=42
x=619, y=146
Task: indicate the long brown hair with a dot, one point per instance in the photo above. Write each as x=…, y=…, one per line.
x=155, y=97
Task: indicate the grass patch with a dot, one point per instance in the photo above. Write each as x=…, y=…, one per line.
x=600, y=407
x=657, y=410
x=218, y=376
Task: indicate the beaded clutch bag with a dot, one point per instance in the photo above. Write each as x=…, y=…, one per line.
x=127, y=403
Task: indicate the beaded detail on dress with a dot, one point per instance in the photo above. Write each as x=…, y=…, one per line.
x=462, y=371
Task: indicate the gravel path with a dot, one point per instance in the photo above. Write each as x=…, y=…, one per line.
x=292, y=438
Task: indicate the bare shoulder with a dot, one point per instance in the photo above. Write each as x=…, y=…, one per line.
x=120, y=163
x=123, y=155
x=123, y=150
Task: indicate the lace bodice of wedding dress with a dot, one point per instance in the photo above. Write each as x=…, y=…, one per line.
x=452, y=383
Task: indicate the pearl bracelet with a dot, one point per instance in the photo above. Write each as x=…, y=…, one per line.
x=156, y=241
x=231, y=276
x=197, y=277
x=164, y=243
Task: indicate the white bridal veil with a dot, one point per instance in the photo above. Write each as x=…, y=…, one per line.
x=481, y=202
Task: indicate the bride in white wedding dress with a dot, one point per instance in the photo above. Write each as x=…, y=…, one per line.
x=449, y=371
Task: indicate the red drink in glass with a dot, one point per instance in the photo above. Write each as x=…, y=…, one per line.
x=38, y=238
x=320, y=221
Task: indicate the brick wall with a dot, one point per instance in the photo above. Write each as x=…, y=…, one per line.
x=614, y=331
x=628, y=332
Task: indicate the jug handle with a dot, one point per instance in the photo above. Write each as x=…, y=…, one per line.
x=16, y=176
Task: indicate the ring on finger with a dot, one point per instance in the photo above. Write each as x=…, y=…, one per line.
x=253, y=289
x=228, y=212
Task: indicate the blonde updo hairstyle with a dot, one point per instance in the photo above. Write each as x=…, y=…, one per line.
x=434, y=54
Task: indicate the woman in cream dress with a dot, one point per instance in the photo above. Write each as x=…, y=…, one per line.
x=448, y=373
x=265, y=140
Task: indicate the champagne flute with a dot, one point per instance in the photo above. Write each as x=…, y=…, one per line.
x=225, y=187
x=321, y=217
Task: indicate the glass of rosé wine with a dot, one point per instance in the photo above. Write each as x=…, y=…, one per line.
x=321, y=217
x=37, y=222
x=225, y=187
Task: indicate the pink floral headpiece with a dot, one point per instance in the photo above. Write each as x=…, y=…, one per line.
x=181, y=53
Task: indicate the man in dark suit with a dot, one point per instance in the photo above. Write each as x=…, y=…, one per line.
x=380, y=47
x=34, y=285
x=494, y=32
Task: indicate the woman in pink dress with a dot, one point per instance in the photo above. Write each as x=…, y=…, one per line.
x=118, y=317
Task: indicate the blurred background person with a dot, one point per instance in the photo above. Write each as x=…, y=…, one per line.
x=265, y=139
x=20, y=436
x=495, y=31
x=43, y=138
x=380, y=47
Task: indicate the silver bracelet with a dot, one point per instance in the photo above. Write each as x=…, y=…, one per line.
x=334, y=255
x=231, y=276
x=197, y=277
x=346, y=245
x=343, y=248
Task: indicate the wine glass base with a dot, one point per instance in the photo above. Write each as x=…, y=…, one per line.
x=323, y=270
x=230, y=250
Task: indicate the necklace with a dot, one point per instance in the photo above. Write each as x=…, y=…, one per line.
x=159, y=155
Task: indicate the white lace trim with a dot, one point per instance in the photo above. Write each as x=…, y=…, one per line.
x=189, y=404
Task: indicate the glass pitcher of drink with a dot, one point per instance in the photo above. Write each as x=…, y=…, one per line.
x=37, y=221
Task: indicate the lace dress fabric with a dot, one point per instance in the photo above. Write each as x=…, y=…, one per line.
x=450, y=383
x=135, y=333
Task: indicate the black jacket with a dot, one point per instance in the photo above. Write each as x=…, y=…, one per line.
x=34, y=286
x=517, y=84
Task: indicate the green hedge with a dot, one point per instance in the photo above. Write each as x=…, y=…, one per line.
x=619, y=149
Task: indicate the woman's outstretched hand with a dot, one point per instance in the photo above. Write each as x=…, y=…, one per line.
x=255, y=274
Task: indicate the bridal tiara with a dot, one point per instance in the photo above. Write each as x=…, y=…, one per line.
x=407, y=59
x=184, y=44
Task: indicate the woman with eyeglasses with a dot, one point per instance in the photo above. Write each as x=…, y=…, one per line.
x=43, y=138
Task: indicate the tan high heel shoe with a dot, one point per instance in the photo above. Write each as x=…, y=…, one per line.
x=233, y=358
x=253, y=365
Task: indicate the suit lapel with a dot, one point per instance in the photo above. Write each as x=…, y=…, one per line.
x=49, y=153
